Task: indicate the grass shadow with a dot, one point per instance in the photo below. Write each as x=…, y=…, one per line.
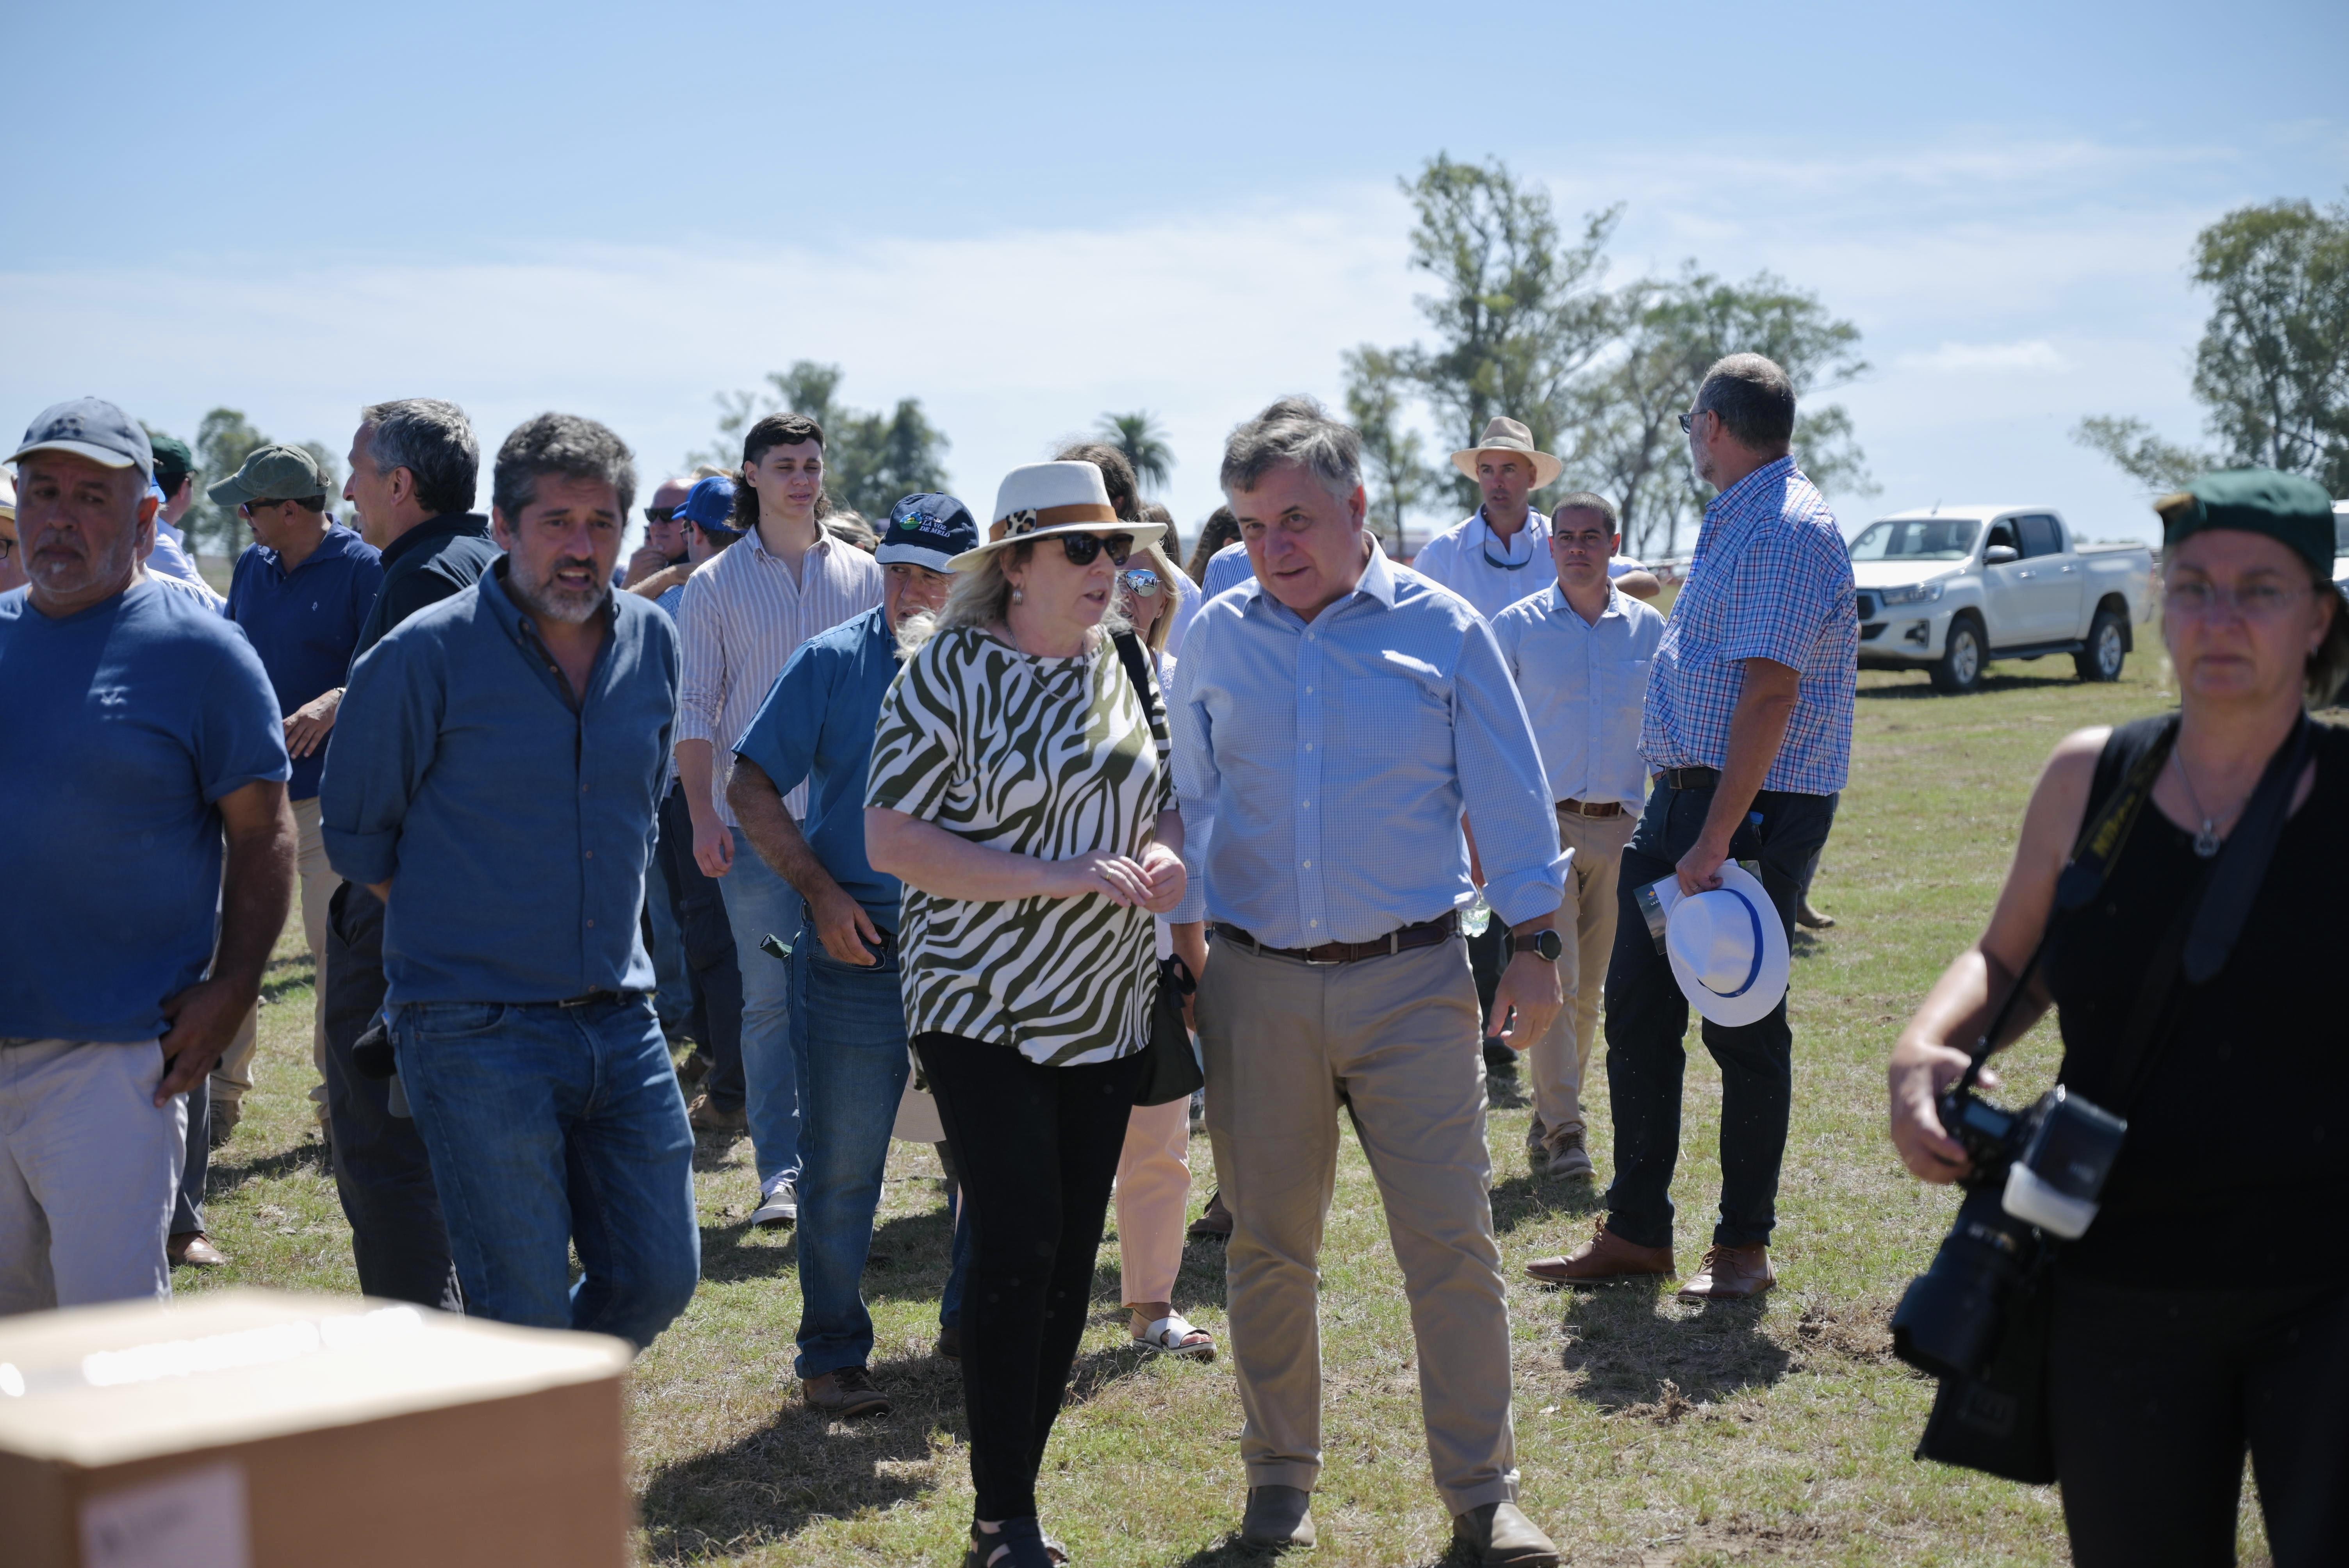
x=1505, y=1091
x=725, y=1258
x=225, y=1177
x=1532, y=1200
x=284, y=977
x=911, y=1254
x=801, y=1467
x=1992, y=681
x=1629, y=1341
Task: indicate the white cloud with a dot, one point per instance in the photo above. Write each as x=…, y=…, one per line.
x=1964, y=358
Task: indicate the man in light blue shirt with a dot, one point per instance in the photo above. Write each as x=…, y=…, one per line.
x=1333, y=721
x=1580, y=652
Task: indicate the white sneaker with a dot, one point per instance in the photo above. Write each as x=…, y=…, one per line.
x=779, y=1203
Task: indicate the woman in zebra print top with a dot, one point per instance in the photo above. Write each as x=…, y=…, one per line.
x=1020, y=792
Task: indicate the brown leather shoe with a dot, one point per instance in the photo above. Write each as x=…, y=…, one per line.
x=1605, y=1258
x=194, y=1250
x=847, y=1394
x=1503, y=1537
x=1217, y=1220
x=704, y=1117
x=1730, y=1273
x=1279, y=1517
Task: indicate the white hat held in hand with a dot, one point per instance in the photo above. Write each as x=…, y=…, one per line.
x=1045, y=499
x=1727, y=946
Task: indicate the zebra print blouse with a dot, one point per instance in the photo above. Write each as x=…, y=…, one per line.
x=1049, y=757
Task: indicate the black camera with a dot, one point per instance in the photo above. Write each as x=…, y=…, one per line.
x=2036, y=1178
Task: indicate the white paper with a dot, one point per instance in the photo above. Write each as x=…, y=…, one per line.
x=195, y=1518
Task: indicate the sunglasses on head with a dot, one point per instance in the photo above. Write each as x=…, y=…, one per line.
x=1082, y=548
x=659, y=514
x=1143, y=582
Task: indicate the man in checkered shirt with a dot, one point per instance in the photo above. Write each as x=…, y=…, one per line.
x=1747, y=739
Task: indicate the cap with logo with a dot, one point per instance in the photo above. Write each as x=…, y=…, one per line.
x=274, y=472
x=2290, y=509
x=90, y=428
x=928, y=530
x=709, y=507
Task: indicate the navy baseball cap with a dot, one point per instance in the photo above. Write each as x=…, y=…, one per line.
x=90, y=428
x=709, y=507
x=928, y=531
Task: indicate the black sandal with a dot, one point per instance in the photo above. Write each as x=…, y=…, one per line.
x=1018, y=1543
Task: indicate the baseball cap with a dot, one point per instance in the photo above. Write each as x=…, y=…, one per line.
x=274, y=472
x=928, y=531
x=173, y=461
x=2290, y=509
x=709, y=507
x=90, y=428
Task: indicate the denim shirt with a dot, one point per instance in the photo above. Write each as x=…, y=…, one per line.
x=515, y=827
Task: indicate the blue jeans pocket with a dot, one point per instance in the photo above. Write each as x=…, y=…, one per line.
x=452, y=1020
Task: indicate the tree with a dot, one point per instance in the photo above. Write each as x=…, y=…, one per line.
x=223, y=440
x=1144, y=442
x=2271, y=371
x=1625, y=413
x=1518, y=311
x=1400, y=480
x=870, y=461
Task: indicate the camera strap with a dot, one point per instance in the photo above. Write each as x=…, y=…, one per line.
x=2093, y=853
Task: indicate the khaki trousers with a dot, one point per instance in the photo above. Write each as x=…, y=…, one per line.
x=234, y=1076
x=1395, y=1040
x=1153, y=1193
x=1586, y=931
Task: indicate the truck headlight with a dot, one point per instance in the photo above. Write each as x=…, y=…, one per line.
x=1915, y=594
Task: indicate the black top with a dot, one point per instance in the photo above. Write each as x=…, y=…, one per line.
x=425, y=565
x=2236, y=1168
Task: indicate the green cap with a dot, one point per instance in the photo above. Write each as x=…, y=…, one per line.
x=2290, y=509
x=173, y=461
x=272, y=473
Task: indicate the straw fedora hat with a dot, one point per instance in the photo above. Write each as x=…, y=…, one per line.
x=1508, y=436
x=1045, y=499
x=1727, y=946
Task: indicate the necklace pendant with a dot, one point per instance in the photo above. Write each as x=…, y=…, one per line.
x=2206, y=842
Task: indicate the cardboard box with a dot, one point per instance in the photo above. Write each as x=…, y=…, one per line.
x=252, y=1428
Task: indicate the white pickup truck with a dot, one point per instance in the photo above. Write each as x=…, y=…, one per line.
x=2341, y=547
x=1949, y=589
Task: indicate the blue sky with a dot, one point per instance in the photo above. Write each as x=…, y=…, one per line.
x=1027, y=215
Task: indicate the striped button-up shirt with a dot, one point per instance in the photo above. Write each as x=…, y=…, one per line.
x=741, y=618
x=1462, y=559
x=1769, y=580
x=1323, y=768
x=1582, y=684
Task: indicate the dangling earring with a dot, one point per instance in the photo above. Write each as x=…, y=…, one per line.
x=1019, y=596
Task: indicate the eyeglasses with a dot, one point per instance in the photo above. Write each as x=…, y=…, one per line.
x=245, y=508
x=657, y=515
x=1688, y=420
x=1143, y=582
x=1080, y=548
x=7, y=548
x=2253, y=601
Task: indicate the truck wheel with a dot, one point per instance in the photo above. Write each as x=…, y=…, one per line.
x=1960, y=668
x=2107, y=646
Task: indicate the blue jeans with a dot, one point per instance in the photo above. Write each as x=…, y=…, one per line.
x=673, y=998
x=549, y=1126
x=759, y=904
x=849, y=1026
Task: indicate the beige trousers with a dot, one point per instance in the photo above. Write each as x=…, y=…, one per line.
x=1395, y=1040
x=234, y=1076
x=1153, y=1193
x=1586, y=929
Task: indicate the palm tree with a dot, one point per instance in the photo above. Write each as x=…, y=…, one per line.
x=1144, y=442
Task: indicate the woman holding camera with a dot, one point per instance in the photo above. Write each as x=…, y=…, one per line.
x=1017, y=791
x=2205, y=1312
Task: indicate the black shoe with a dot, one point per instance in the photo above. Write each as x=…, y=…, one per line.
x=1499, y=1059
x=950, y=1341
x=1018, y=1543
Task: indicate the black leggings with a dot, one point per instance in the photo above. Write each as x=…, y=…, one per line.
x=1036, y=1150
x=2154, y=1396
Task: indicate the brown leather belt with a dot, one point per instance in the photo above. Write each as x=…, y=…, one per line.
x=1591, y=807
x=1426, y=934
x=1688, y=778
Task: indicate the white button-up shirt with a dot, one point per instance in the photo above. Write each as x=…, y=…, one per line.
x=1462, y=557
x=1583, y=685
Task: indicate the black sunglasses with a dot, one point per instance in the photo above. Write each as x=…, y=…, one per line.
x=659, y=514
x=1080, y=548
x=1688, y=420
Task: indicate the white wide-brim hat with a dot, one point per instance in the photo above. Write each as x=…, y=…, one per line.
x=1727, y=946
x=1504, y=435
x=1045, y=499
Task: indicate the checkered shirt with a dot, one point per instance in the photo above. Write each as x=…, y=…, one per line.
x=1769, y=580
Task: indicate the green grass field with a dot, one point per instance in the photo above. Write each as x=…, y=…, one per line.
x=1648, y=1432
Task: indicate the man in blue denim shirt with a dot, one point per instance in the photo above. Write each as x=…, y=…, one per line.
x=493, y=780
x=817, y=725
